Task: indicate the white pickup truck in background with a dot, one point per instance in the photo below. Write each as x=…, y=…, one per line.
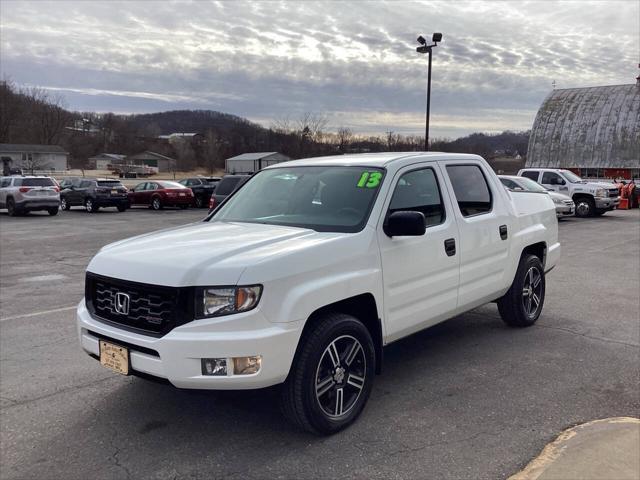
x=590, y=198
x=307, y=271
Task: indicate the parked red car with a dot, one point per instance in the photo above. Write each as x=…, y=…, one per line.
x=161, y=194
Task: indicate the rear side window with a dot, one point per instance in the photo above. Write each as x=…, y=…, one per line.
x=86, y=183
x=532, y=175
x=227, y=185
x=418, y=191
x=471, y=189
x=37, y=182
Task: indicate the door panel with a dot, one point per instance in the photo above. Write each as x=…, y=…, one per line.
x=482, y=217
x=420, y=278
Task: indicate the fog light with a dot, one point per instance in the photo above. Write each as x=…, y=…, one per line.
x=214, y=367
x=246, y=365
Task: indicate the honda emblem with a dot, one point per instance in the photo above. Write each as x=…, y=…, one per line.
x=121, y=303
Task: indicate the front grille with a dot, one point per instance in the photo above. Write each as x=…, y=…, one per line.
x=152, y=309
x=614, y=193
x=569, y=203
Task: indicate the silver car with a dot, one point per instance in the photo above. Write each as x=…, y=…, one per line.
x=564, y=204
x=29, y=194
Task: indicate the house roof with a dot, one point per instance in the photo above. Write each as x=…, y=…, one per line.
x=148, y=154
x=28, y=148
x=253, y=156
x=114, y=156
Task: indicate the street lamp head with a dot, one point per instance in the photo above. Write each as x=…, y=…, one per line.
x=421, y=40
x=423, y=49
x=437, y=37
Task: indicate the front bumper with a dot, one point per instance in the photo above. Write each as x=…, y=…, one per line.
x=565, y=210
x=180, y=351
x=607, y=203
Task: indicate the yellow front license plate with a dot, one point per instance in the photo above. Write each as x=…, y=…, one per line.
x=114, y=357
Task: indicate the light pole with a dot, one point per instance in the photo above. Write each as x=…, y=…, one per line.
x=424, y=48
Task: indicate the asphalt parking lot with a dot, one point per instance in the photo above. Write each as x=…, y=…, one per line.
x=467, y=399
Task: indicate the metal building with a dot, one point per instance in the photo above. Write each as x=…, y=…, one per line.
x=594, y=131
x=252, y=162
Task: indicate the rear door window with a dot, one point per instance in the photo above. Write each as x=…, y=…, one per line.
x=110, y=183
x=531, y=174
x=471, y=189
x=86, y=184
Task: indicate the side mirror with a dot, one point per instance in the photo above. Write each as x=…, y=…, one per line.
x=404, y=224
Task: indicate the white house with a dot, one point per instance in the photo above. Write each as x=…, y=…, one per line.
x=105, y=160
x=33, y=157
x=252, y=162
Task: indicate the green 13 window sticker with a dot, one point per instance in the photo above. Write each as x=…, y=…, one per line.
x=369, y=179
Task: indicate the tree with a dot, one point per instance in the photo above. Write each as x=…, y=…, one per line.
x=344, y=138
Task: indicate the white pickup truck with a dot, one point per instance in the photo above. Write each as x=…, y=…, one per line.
x=306, y=272
x=590, y=198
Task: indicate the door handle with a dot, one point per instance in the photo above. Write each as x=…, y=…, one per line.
x=503, y=232
x=450, y=246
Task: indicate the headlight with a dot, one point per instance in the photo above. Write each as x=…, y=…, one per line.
x=601, y=192
x=217, y=301
x=558, y=201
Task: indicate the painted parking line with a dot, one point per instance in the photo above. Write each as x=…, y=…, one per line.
x=36, y=314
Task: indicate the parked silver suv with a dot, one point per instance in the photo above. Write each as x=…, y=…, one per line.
x=28, y=194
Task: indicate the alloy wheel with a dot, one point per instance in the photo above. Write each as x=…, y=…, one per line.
x=63, y=204
x=89, y=205
x=532, y=292
x=583, y=208
x=340, y=376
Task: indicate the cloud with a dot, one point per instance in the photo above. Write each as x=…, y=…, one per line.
x=355, y=61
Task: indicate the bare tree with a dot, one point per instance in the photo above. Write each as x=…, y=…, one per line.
x=344, y=137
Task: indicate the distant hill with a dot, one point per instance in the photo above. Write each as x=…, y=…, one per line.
x=194, y=121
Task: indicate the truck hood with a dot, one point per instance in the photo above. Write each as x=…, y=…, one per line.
x=207, y=253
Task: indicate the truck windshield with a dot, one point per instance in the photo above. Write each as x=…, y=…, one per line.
x=572, y=177
x=326, y=199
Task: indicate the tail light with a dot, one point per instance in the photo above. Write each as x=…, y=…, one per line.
x=25, y=189
x=212, y=202
x=57, y=189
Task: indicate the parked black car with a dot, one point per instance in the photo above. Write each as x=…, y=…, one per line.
x=94, y=193
x=228, y=185
x=202, y=188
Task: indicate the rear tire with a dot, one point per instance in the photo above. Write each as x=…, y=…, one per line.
x=183, y=207
x=11, y=207
x=53, y=211
x=121, y=208
x=331, y=376
x=585, y=207
x=156, y=203
x=522, y=304
x=90, y=206
x=199, y=201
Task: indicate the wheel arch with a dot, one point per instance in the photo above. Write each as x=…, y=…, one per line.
x=538, y=249
x=578, y=196
x=364, y=308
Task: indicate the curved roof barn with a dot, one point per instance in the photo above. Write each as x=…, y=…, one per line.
x=595, y=127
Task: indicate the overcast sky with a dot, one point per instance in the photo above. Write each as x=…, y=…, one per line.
x=353, y=61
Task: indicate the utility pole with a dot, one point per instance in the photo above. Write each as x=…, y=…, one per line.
x=424, y=48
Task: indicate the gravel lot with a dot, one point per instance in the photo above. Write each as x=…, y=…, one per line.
x=469, y=398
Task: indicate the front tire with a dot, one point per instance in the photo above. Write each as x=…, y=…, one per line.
x=53, y=211
x=64, y=205
x=199, y=201
x=121, y=208
x=332, y=375
x=522, y=304
x=585, y=207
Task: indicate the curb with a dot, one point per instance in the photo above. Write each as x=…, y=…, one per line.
x=554, y=450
